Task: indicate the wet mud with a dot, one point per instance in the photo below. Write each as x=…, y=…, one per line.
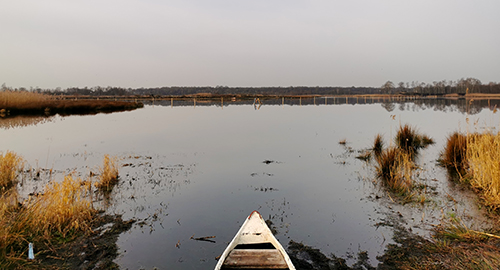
x=94, y=251
x=308, y=258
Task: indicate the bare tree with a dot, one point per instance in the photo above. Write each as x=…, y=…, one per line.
x=387, y=87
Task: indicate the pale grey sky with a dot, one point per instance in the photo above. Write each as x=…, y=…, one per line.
x=149, y=43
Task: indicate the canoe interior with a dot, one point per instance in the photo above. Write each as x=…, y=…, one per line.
x=254, y=247
x=255, y=259
x=255, y=256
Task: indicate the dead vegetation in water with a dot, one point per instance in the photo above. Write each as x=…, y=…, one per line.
x=409, y=140
x=396, y=170
x=365, y=156
x=378, y=145
x=396, y=166
x=108, y=177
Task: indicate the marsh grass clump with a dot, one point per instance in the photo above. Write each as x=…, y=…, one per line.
x=395, y=168
x=108, y=177
x=378, y=145
x=396, y=165
x=454, y=155
x=10, y=166
x=409, y=140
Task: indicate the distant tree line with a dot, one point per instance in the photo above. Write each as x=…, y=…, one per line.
x=461, y=87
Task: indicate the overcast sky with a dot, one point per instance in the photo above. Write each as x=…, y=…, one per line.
x=150, y=43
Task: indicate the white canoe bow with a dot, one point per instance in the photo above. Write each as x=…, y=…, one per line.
x=254, y=247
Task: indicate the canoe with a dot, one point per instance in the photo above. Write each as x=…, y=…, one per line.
x=254, y=247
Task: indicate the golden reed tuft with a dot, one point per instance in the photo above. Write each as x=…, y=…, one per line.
x=108, y=174
x=395, y=168
x=10, y=166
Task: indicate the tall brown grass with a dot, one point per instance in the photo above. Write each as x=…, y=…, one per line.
x=108, y=177
x=23, y=102
x=8, y=208
x=63, y=208
x=22, y=99
x=10, y=166
x=483, y=159
x=409, y=140
x=454, y=155
x=396, y=165
x=395, y=168
x=378, y=145
x=476, y=158
x=63, y=211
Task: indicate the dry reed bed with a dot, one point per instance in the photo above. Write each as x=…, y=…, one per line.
x=475, y=159
x=15, y=102
x=61, y=213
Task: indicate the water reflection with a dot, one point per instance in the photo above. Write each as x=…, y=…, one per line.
x=466, y=106
x=462, y=105
x=191, y=168
x=22, y=121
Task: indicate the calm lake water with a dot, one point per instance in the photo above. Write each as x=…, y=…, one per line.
x=200, y=170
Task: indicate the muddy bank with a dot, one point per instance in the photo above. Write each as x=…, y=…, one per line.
x=307, y=258
x=94, y=251
x=451, y=246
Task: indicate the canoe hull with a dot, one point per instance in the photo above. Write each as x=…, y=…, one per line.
x=254, y=247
